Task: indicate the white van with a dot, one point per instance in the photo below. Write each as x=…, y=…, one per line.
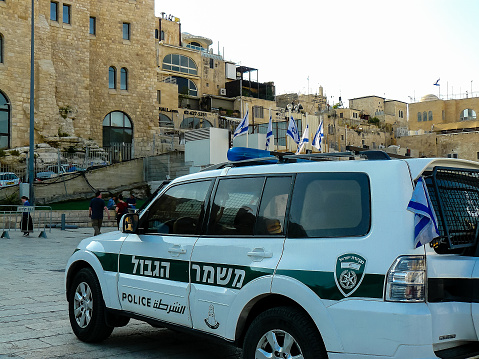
x=306, y=257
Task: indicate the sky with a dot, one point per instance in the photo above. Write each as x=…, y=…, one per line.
x=388, y=48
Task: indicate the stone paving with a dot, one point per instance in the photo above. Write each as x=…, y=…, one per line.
x=34, y=315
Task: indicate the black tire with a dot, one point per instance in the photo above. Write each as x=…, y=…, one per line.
x=86, y=308
x=280, y=323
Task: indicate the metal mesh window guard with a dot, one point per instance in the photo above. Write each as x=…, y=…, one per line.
x=454, y=196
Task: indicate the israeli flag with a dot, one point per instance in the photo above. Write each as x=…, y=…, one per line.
x=269, y=134
x=243, y=126
x=304, y=139
x=293, y=130
x=318, y=136
x=425, y=222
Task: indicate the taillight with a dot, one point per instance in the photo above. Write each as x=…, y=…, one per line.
x=406, y=280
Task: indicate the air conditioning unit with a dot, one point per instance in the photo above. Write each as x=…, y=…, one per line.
x=223, y=92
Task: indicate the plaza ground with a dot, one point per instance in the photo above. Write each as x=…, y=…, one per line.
x=34, y=314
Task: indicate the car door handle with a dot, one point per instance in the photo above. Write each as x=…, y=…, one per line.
x=259, y=254
x=176, y=250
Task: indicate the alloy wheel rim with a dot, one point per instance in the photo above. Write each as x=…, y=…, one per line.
x=278, y=344
x=83, y=305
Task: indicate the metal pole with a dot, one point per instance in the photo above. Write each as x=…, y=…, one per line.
x=32, y=103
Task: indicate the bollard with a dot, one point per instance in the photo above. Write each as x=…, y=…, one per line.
x=63, y=222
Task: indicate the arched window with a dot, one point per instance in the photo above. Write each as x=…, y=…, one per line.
x=117, y=129
x=185, y=86
x=4, y=122
x=180, y=63
x=112, y=77
x=424, y=116
x=1, y=48
x=165, y=121
x=419, y=117
x=430, y=115
x=123, y=79
x=195, y=123
x=468, y=115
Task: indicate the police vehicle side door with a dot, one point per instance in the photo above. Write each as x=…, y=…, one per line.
x=153, y=273
x=242, y=246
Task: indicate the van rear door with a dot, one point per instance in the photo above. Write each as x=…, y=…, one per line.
x=452, y=259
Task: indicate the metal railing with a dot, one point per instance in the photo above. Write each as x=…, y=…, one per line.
x=11, y=219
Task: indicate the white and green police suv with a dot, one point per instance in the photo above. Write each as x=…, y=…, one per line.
x=295, y=259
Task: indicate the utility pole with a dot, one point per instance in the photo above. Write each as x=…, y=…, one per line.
x=31, y=156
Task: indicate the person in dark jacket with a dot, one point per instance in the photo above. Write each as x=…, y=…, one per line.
x=97, y=206
x=26, y=223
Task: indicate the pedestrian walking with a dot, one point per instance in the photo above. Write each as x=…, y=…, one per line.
x=97, y=206
x=26, y=224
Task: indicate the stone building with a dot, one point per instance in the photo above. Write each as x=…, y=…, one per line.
x=95, y=71
x=391, y=112
x=443, y=128
x=434, y=114
x=112, y=72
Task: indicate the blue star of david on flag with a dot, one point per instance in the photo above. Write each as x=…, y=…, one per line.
x=318, y=136
x=425, y=222
x=242, y=128
x=269, y=134
x=293, y=130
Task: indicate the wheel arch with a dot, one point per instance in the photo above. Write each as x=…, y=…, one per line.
x=287, y=291
x=73, y=269
x=255, y=307
x=86, y=259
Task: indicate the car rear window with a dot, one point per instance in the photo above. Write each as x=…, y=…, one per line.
x=330, y=205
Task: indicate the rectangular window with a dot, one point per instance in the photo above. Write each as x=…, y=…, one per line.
x=258, y=112
x=178, y=210
x=235, y=206
x=126, y=31
x=212, y=62
x=53, y=11
x=92, y=25
x=330, y=205
x=66, y=14
x=158, y=96
x=123, y=79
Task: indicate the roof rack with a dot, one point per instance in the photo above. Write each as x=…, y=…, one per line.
x=289, y=157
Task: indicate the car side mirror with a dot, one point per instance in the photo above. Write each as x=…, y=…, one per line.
x=130, y=222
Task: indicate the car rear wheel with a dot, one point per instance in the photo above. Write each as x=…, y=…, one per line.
x=87, y=309
x=283, y=332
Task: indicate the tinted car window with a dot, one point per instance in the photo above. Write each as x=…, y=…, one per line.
x=330, y=205
x=235, y=206
x=178, y=210
x=273, y=206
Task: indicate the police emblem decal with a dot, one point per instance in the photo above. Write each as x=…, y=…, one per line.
x=210, y=320
x=349, y=273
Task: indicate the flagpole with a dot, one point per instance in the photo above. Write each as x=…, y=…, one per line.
x=269, y=117
x=289, y=118
x=246, y=104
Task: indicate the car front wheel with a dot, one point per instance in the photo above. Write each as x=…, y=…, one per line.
x=283, y=332
x=87, y=309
